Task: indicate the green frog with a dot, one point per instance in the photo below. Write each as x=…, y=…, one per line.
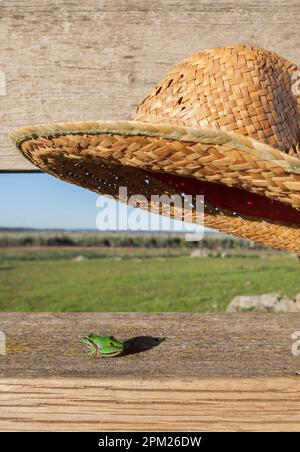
x=102, y=346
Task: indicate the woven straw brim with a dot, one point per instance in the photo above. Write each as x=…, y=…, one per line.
x=102, y=156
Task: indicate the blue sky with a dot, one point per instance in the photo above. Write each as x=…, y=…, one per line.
x=42, y=201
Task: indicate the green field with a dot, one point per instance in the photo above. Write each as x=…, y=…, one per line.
x=159, y=281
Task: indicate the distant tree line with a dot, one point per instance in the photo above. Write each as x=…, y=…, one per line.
x=122, y=240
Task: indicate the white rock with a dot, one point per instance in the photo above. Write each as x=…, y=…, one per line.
x=269, y=302
x=198, y=253
x=79, y=258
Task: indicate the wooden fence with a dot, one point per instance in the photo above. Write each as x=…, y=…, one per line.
x=63, y=60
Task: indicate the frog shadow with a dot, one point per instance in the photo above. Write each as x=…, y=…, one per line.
x=141, y=344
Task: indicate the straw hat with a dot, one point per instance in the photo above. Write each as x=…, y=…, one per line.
x=223, y=123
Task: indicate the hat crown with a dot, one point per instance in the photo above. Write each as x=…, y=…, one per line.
x=237, y=88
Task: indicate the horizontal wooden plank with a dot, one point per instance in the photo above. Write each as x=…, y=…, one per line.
x=195, y=345
x=187, y=382
x=244, y=404
x=71, y=60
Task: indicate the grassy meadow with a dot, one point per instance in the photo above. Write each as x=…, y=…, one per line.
x=138, y=278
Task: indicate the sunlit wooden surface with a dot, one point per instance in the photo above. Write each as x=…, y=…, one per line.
x=73, y=60
x=212, y=372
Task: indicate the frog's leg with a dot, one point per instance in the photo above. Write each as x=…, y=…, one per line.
x=92, y=351
x=86, y=342
x=110, y=355
x=91, y=348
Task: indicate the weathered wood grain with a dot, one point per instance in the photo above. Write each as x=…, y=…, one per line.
x=135, y=404
x=68, y=60
x=188, y=382
x=196, y=345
